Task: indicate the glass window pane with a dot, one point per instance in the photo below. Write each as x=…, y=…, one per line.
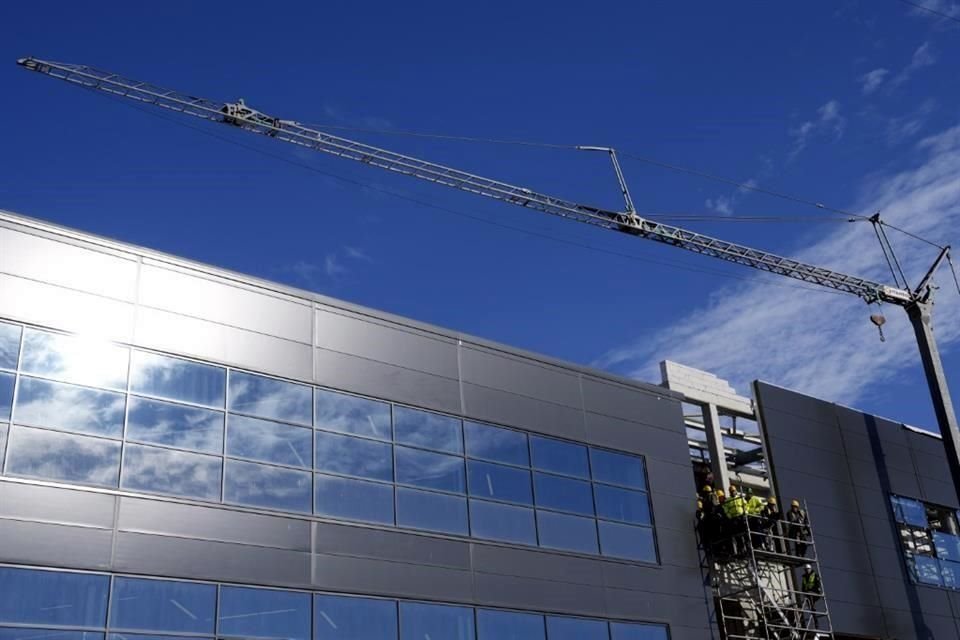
x=9, y=345
x=948, y=547
x=431, y=511
x=350, y=414
x=572, y=533
x=269, y=441
x=909, y=511
x=925, y=570
x=354, y=456
x=60, y=456
x=950, y=572
x=435, y=621
x=51, y=597
x=175, y=425
x=559, y=457
x=563, y=494
x=74, y=359
x=47, y=634
x=161, y=605
x=502, y=522
x=353, y=499
x=265, y=486
x=507, y=625
x=631, y=631
x=622, y=504
x=3, y=443
x=618, y=468
x=269, y=398
x=497, y=482
x=430, y=470
x=624, y=541
x=427, y=430
x=494, y=443
x=175, y=472
x=264, y=613
x=6, y=395
x=143, y=636
x=176, y=379
x=576, y=629
x=339, y=618
x=69, y=408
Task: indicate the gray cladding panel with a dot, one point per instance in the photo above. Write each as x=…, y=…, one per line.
x=646, y=605
x=619, y=401
x=398, y=546
x=539, y=595
x=380, y=577
x=213, y=523
x=938, y=492
x=859, y=619
x=392, y=344
x=493, y=405
x=206, y=560
x=54, y=545
x=369, y=377
x=781, y=400
x=52, y=504
x=541, y=565
x=790, y=427
x=496, y=370
x=615, y=433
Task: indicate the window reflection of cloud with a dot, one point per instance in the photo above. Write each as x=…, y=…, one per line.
x=270, y=398
x=175, y=425
x=171, y=472
x=9, y=345
x=75, y=359
x=353, y=456
x=61, y=406
x=6, y=395
x=56, y=455
x=426, y=429
x=268, y=441
x=339, y=412
x=431, y=469
x=177, y=379
x=269, y=486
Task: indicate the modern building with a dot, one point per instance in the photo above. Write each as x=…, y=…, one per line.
x=187, y=452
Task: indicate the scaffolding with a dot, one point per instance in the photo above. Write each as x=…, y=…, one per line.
x=754, y=563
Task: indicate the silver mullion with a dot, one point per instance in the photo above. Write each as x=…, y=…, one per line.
x=13, y=405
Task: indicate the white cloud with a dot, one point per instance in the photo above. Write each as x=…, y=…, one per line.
x=904, y=127
x=721, y=204
x=814, y=342
x=827, y=122
x=922, y=57
x=872, y=80
x=332, y=266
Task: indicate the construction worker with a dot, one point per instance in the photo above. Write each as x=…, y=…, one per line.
x=811, y=590
x=755, y=521
x=735, y=508
x=773, y=517
x=799, y=527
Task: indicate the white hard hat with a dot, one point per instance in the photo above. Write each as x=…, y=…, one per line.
x=807, y=567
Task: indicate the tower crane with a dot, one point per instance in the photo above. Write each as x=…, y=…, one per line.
x=917, y=302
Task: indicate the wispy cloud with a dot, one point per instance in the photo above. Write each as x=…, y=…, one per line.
x=334, y=266
x=818, y=343
x=922, y=57
x=937, y=9
x=872, y=80
x=725, y=204
x=828, y=122
x=905, y=127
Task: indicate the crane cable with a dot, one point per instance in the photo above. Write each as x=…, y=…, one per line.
x=476, y=218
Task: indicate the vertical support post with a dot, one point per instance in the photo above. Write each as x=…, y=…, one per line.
x=919, y=314
x=718, y=457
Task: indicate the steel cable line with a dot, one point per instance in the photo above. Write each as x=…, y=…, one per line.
x=935, y=12
x=476, y=218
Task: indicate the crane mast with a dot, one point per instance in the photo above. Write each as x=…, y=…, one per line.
x=917, y=303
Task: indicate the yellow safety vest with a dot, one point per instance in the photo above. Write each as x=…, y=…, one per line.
x=734, y=507
x=755, y=506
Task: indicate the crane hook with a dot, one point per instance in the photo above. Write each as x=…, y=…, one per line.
x=879, y=320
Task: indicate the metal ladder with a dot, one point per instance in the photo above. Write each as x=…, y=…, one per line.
x=754, y=576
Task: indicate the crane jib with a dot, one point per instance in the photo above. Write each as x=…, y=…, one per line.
x=240, y=115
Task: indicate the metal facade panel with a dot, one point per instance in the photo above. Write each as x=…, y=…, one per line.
x=54, y=545
x=396, y=546
x=792, y=403
x=52, y=306
x=848, y=555
x=207, y=560
x=360, y=375
x=53, y=504
x=145, y=515
x=654, y=442
x=619, y=401
x=942, y=493
x=647, y=605
x=670, y=478
x=539, y=595
x=681, y=581
x=677, y=547
x=391, y=343
x=827, y=464
x=518, y=376
x=493, y=405
x=55, y=262
x=380, y=577
x=179, y=334
x=850, y=586
x=216, y=300
x=859, y=619
x=790, y=427
x=541, y=565
x=864, y=424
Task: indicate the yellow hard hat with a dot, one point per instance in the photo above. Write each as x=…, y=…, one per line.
x=699, y=504
x=795, y=503
x=772, y=500
x=719, y=493
x=733, y=489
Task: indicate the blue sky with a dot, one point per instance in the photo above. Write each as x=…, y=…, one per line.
x=855, y=104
